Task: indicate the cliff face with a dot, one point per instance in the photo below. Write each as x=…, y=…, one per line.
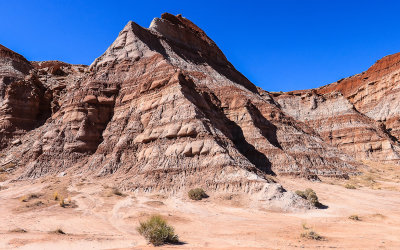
x=359, y=114
x=163, y=109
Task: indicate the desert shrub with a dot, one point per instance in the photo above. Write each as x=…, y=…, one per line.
x=35, y=204
x=157, y=231
x=197, y=194
x=29, y=197
x=354, y=217
x=310, y=234
x=62, y=202
x=309, y=195
x=116, y=191
x=18, y=230
x=301, y=194
x=349, y=186
x=56, y=196
x=58, y=231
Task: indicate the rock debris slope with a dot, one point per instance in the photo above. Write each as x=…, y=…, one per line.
x=163, y=109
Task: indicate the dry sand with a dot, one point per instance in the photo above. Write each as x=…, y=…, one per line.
x=100, y=219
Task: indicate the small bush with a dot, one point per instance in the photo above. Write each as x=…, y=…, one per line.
x=157, y=231
x=349, y=186
x=35, y=204
x=301, y=194
x=18, y=230
x=309, y=195
x=58, y=231
x=354, y=217
x=29, y=197
x=62, y=202
x=56, y=196
x=116, y=191
x=312, y=235
x=197, y=194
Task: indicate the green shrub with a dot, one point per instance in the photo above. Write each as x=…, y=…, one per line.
x=157, y=231
x=197, y=194
x=309, y=195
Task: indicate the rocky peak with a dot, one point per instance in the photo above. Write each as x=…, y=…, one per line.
x=12, y=65
x=132, y=43
x=182, y=31
x=163, y=109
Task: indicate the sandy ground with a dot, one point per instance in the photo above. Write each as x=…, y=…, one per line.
x=95, y=217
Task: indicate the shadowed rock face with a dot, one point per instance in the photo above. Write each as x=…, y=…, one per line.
x=360, y=114
x=163, y=109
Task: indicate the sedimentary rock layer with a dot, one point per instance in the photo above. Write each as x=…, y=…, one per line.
x=163, y=109
x=359, y=114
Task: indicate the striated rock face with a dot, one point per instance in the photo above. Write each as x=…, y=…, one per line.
x=22, y=100
x=375, y=93
x=163, y=109
x=359, y=114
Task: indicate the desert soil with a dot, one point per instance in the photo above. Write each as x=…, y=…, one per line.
x=97, y=217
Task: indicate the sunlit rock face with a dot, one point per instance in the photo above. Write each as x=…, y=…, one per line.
x=163, y=109
x=359, y=114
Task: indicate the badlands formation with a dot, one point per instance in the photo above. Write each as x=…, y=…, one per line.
x=163, y=110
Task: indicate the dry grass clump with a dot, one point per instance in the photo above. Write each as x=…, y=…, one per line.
x=58, y=231
x=35, y=204
x=56, y=196
x=354, y=217
x=62, y=202
x=309, y=195
x=350, y=186
x=114, y=191
x=18, y=230
x=197, y=194
x=157, y=231
x=310, y=234
x=29, y=197
x=66, y=202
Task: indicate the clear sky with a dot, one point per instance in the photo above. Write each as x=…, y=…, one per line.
x=279, y=45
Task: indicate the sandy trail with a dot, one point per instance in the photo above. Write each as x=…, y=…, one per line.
x=101, y=220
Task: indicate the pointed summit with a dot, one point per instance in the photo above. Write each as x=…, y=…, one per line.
x=132, y=43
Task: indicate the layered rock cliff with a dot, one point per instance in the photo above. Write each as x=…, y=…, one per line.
x=359, y=114
x=162, y=109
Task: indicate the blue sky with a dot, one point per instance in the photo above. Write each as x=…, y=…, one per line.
x=278, y=45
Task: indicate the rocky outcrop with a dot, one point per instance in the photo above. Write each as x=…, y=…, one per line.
x=359, y=114
x=336, y=120
x=163, y=109
x=375, y=93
